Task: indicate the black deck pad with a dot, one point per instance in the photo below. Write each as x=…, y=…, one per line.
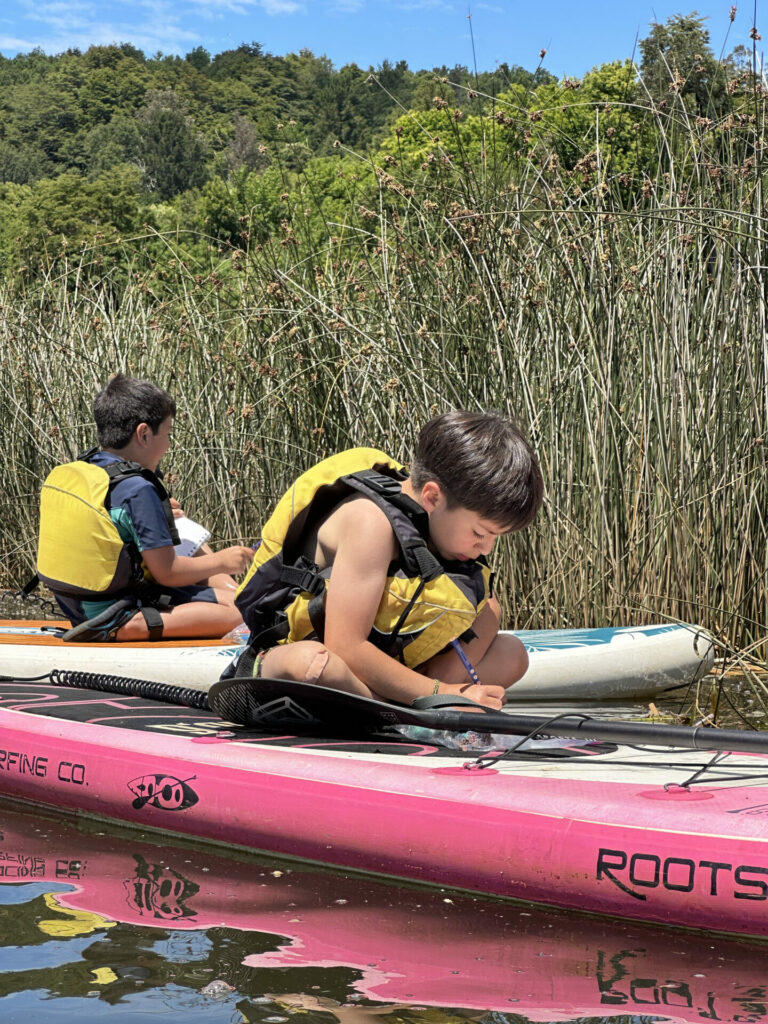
x=138, y=714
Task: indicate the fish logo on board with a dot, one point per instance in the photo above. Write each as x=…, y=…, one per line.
x=163, y=791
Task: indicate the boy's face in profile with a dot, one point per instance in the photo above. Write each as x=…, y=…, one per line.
x=458, y=533
x=154, y=446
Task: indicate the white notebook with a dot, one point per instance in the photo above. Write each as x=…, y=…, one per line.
x=192, y=535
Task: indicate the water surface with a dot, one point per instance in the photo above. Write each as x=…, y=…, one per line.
x=95, y=918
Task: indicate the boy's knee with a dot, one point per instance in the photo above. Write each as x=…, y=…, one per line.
x=304, y=661
x=515, y=658
x=232, y=615
x=309, y=661
x=315, y=658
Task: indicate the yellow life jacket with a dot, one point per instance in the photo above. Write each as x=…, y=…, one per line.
x=426, y=602
x=80, y=551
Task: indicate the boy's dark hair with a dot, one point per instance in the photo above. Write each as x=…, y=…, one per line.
x=125, y=403
x=482, y=462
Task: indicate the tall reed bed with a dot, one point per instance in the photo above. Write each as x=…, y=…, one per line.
x=622, y=323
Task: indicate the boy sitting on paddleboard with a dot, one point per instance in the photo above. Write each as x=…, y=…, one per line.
x=374, y=581
x=107, y=533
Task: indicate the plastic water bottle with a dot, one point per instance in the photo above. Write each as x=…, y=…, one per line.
x=239, y=635
x=480, y=742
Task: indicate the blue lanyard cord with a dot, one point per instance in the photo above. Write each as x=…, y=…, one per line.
x=466, y=662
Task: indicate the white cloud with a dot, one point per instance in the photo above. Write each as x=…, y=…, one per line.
x=151, y=25
x=166, y=26
x=280, y=6
x=12, y=43
x=271, y=7
x=346, y=6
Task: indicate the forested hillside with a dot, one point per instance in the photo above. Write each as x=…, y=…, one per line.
x=110, y=141
x=110, y=144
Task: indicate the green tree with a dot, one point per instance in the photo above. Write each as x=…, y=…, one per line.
x=173, y=156
x=12, y=198
x=74, y=209
x=248, y=206
x=107, y=145
x=199, y=58
x=23, y=162
x=43, y=115
x=677, y=61
x=107, y=91
x=591, y=124
x=64, y=215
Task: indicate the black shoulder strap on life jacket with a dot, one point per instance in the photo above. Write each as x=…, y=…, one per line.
x=409, y=521
x=117, y=471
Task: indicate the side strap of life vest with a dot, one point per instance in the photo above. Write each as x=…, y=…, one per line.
x=32, y=584
x=123, y=470
x=304, y=576
x=153, y=620
x=417, y=558
x=384, y=491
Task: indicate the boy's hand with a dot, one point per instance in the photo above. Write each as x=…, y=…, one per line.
x=176, y=508
x=235, y=560
x=489, y=696
x=174, y=570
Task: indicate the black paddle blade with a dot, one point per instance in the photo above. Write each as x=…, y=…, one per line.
x=281, y=704
x=274, y=705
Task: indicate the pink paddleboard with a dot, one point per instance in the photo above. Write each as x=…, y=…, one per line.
x=615, y=830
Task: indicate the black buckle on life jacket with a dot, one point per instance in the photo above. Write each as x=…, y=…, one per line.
x=87, y=455
x=419, y=556
x=306, y=577
x=379, y=482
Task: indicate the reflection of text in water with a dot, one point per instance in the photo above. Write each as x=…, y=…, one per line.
x=17, y=867
x=622, y=982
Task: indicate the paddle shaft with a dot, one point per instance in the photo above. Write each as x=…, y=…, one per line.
x=331, y=705
x=649, y=734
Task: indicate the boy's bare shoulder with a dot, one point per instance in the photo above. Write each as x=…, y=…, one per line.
x=357, y=521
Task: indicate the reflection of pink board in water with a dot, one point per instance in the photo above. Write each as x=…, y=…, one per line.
x=603, y=829
x=408, y=946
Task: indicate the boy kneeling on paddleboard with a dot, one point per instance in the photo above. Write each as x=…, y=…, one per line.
x=108, y=538
x=373, y=581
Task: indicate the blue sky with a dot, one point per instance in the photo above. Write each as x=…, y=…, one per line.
x=425, y=33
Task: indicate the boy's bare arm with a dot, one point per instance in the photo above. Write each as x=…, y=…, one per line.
x=365, y=547
x=174, y=570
